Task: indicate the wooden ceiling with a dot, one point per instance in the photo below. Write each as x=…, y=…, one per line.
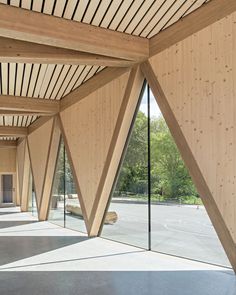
x=143, y=18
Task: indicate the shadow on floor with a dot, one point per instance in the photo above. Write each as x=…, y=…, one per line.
x=11, y=223
x=20, y=247
x=119, y=283
x=7, y=213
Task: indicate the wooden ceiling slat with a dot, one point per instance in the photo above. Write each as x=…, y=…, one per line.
x=180, y=12
x=33, y=79
x=37, y=5
x=26, y=4
x=39, y=82
x=26, y=79
x=136, y=6
x=53, y=81
x=161, y=18
x=100, y=12
x=140, y=15
x=73, y=80
x=14, y=3
x=80, y=10
x=4, y=76
x=91, y=11
x=82, y=76
x=60, y=81
x=110, y=13
x=66, y=81
x=195, y=6
x=59, y=8
x=125, y=5
x=19, y=76
x=159, y=6
x=70, y=9
x=48, y=7
x=12, y=76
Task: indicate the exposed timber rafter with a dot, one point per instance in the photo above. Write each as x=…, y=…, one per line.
x=26, y=104
x=202, y=17
x=13, y=131
x=16, y=51
x=40, y=28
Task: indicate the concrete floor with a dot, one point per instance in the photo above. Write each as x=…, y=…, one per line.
x=42, y=258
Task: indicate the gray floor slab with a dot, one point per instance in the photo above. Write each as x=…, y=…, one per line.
x=41, y=258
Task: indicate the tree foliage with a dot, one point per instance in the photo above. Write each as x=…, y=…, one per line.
x=169, y=176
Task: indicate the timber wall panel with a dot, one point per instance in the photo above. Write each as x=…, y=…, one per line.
x=198, y=78
x=8, y=160
x=88, y=126
x=38, y=144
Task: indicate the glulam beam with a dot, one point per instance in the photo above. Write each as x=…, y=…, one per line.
x=26, y=25
x=15, y=51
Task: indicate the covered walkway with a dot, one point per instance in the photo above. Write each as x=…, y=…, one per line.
x=42, y=258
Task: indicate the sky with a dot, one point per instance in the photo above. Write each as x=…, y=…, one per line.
x=154, y=109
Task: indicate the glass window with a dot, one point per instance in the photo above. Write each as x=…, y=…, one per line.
x=127, y=217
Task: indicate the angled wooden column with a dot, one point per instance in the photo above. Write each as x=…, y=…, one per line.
x=88, y=126
x=25, y=182
x=193, y=82
x=39, y=146
x=50, y=170
x=20, y=157
x=119, y=137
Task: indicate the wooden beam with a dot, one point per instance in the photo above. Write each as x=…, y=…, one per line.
x=202, y=17
x=26, y=104
x=13, y=131
x=22, y=113
x=37, y=124
x=16, y=51
x=187, y=155
x=8, y=143
x=93, y=84
x=44, y=29
x=119, y=137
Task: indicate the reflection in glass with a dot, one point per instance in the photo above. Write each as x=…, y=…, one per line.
x=127, y=217
x=180, y=224
x=65, y=208
x=74, y=218
x=56, y=213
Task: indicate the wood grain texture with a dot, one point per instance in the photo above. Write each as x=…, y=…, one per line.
x=8, y=160
x=8, y=144
x=20, y=156
x=93, y=84
x=50, y=170
x=39, y=144
x=15, y=51
x=13, y=131
x=192, y=23
x=117, y=143
x=19, y=103
x=26, y=181
x=44, y=29
x=88, y=127
x=197, y=76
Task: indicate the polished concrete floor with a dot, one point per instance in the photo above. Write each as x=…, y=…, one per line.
x=42, y=258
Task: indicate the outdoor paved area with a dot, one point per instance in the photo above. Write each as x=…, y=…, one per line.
x=179, y=230
x=42, y=258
